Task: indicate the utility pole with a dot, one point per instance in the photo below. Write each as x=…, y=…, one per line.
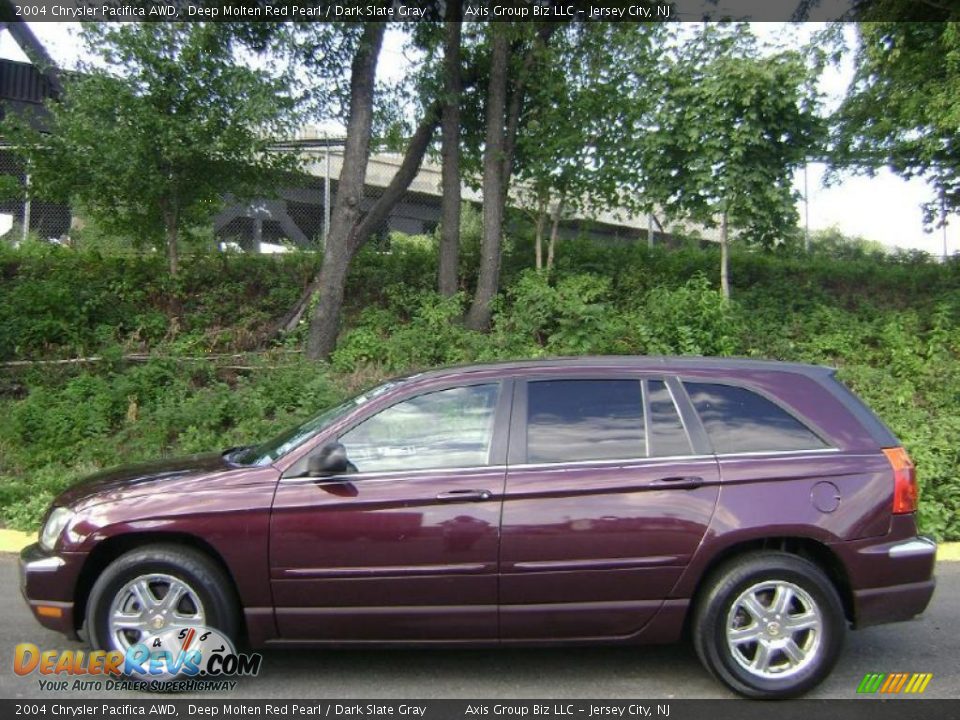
x=326, y=191
x=26, y=210
x=943, y=222
x=806, y=208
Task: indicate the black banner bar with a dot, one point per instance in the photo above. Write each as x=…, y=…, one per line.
x=429, y=10
x=548, y=709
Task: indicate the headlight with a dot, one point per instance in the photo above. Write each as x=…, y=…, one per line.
x=55, y=524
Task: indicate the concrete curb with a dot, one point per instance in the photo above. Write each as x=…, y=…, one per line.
x=13, y=541
x=948, y=551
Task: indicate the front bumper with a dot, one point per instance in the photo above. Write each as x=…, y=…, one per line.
x=48, y=582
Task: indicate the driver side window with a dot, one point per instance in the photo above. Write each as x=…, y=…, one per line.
x=444, y=429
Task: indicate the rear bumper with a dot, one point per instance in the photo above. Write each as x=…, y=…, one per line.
x=892, y=580
x=47, y=583
x=891, y=604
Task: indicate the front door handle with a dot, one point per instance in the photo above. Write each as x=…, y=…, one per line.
x=465, y=495
x=685, y=482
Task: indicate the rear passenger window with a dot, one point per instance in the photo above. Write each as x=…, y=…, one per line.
x=569, y=420
x=666, y=433
x=738, y=420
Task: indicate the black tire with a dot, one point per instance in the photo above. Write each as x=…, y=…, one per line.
x=191, y=567
x=764, y=668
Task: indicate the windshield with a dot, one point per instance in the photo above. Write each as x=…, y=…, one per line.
x=291, y=439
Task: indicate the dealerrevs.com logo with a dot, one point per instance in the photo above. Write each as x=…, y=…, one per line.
x=178, y=659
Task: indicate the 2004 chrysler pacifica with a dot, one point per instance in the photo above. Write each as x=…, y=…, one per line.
x=588, y=500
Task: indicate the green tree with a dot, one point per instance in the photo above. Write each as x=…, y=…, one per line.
x=586, y=115
x=367, y=109
x=902, y=108
x=509, y=53
x=350, y=224
x=733, y=125
x=151, y=137
x=833, y=242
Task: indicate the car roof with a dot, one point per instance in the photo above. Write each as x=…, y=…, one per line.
x=823, y=375
x=635, y=362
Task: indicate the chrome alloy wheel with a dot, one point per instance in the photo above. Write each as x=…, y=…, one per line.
x=151, y=604
x=774, y=629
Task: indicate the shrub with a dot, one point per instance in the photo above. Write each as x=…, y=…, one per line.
x=891, y=324
x=572, y=315
x=692, y=319
x=419, y=330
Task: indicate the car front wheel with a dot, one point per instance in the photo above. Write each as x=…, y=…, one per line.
x=151, y=590
x=770, y=625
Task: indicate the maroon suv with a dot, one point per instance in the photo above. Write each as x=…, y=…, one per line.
x=761, y=505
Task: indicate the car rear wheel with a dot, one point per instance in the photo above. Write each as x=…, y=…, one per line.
x=770, y=625
x=152, y=590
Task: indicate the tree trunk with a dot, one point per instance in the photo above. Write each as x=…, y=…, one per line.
x=557, y=215
x=290, y=321
x=724, y=258
x=325, y=323
x=377, y=214
x=493, y=181
x=337, y=253
x=541, y=224
x=332, y=279
x=450, y=152
x=375, y=217
x=506, y=124
x=409, y=166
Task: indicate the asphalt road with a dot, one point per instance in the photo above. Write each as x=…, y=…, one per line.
x=930, y=643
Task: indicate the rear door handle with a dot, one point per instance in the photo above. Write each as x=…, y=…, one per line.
x=685, y=482
x=465, y=495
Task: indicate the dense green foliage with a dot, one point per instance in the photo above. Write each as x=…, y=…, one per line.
x=587, y=111
x=903, y=106
x=151, y=137
x=892, y=326
x=61, y=303
x=734, y=123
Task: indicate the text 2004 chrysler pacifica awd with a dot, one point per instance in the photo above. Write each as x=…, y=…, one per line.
x=589, y=500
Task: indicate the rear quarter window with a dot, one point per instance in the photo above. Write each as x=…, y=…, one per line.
x=739, y=420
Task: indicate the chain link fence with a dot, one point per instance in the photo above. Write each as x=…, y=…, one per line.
x=298, y=217
x=23, y=217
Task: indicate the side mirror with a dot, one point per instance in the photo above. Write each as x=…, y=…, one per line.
x=331, y=459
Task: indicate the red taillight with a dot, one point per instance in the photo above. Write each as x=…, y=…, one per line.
x=904, y=481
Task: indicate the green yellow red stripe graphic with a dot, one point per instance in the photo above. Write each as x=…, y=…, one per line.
x=893, y=683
